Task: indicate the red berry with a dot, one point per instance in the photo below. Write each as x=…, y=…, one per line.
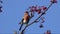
x=43, y=21
x=54, y=1
x=35, y=8
x=31, y=10
x=42, y=18
x=44, y=8
x=38, y=11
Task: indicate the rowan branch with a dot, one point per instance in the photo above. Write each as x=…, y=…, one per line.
x=36, y=19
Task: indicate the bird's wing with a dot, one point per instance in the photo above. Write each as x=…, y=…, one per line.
x=21, y=21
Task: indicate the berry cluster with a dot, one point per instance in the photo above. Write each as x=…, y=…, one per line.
x=37, y=9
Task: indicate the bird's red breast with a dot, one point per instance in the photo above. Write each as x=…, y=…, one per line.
x=26, y=17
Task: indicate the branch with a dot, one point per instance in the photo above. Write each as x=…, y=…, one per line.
x=36, y=19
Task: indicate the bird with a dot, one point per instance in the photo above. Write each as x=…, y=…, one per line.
x=25, y=19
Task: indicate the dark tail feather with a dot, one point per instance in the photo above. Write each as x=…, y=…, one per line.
x=20, y=27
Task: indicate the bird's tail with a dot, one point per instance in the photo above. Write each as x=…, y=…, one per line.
x=20, y=27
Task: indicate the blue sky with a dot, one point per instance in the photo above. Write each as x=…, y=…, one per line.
x=13, y=11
